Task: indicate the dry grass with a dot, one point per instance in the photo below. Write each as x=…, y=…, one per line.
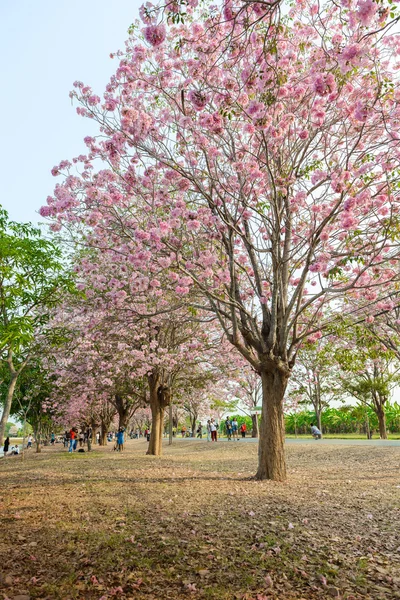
x=193, y=525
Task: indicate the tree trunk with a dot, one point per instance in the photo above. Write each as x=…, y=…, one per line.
x=123, y=411
x=38, y=439
x=319, y=420
x=367, y=428
x=7, y=406
x=271, y=451
x=193, y=426
x=170, y=424
x=380, y=411
x=103, y=434
x=254, y=429
x=159, y=399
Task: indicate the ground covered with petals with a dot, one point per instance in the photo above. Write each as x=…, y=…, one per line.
x=193, y=524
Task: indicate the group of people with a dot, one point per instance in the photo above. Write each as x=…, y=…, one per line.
x=15, y=449
x=73, y=437
x=231, y=426
x=10, y=450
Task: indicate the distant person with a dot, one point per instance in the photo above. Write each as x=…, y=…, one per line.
x=213, y=429
x=6, y=445
x=315, y=432
x=30, y=439
x=120, y=439
x=208, y=427
x=15, y=449
x=76, y=438
x=235, y=430
x=199, y=431
x=228, y=427
x=243, y=430
x=81, y=439
x=66, y=439
x=98, y=438
x=183, y=431
x=53, y=439
x=72, y=437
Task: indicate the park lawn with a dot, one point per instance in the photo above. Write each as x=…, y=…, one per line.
x=193, y=524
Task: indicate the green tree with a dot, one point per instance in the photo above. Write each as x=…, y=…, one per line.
x=33, y=279
x=369, y=371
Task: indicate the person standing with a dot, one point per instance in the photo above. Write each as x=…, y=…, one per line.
x=208, y=430
x=30, y=438
x=243, y=430
x=6, y=445
x=53, y=438
x=213, y=429
x=120, y=439
x=228, y=427
x=72, y=437
x=235, y=429
x=200, y=431
x=66, y=439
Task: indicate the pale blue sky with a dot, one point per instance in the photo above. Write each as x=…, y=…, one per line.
x=44, y=47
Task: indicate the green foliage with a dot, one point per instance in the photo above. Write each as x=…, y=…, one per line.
x=346, y=419
x=33, y=279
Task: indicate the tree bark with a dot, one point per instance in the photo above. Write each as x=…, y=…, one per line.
x=170, y=424
x=124, y=411
x=380, y=411
x=193, y=425
x=7, y=406
x=319, y=420
x=103, y=434
x=159, y=399
x=271, y=451
x=254, y=429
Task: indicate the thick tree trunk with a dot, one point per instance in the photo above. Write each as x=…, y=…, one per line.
x=271, y=451
x=380, y=411
x=157, y=420
x=159, y=399
x=7, y=406
x=103, y=434
x=193, y=425
x=124, y=411
x=254, y=429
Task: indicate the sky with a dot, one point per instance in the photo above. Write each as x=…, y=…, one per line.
x=44, y=47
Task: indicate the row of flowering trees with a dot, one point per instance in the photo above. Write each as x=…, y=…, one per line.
x=246, y=169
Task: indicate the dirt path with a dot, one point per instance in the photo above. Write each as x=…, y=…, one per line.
x=192, y=525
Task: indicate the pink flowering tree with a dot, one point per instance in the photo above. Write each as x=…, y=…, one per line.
x=261, y=175
x=128, y=347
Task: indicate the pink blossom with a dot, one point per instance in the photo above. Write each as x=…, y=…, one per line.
x=366, y=11
x=193, y=225
x=155, y=34
x=198, y=99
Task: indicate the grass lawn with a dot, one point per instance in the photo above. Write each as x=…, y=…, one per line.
x=194, y=525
